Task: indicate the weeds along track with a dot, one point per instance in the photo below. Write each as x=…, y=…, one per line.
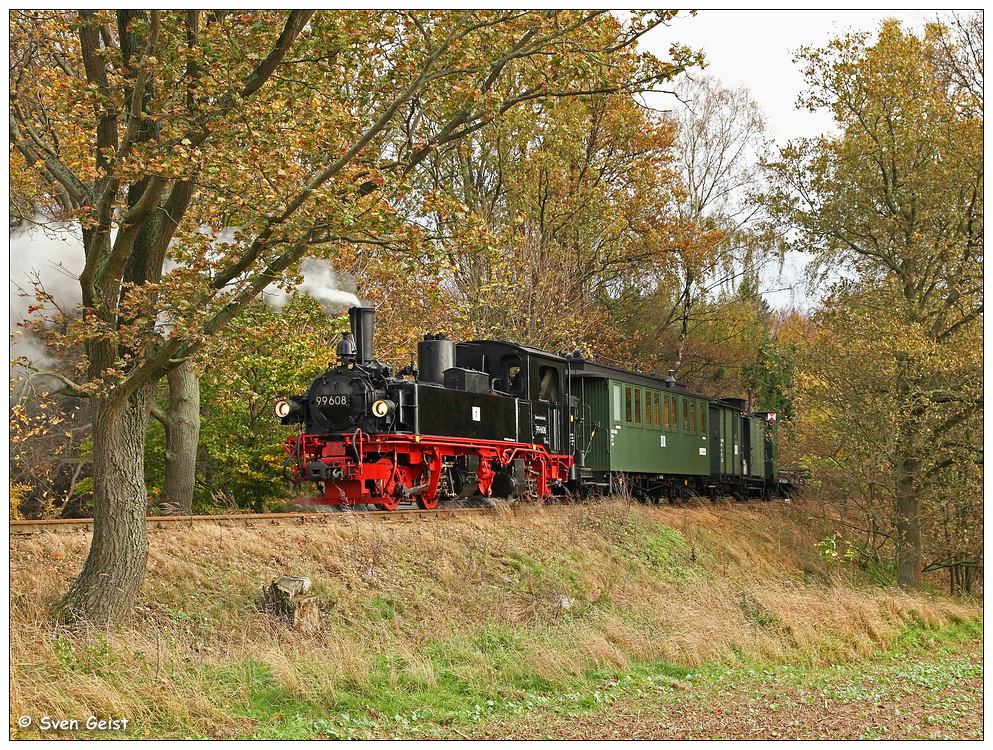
x=298, y=518
x=23, y=528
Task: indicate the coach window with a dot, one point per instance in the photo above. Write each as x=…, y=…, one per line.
x=666, y=417
x=692, y=416
x=627, y=404
x=637, y=405
x=686, y=415
x=548, y=388
x=648, y=408
x=703, y=418
x=656, y=398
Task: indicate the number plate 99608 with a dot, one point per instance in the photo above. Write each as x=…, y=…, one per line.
x=334, y=400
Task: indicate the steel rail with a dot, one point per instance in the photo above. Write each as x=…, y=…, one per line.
x=27, y=527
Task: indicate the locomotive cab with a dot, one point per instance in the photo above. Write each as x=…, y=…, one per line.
x=536, y=378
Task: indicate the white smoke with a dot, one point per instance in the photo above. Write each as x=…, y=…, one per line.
x=320, y=282
x=48, y=259
x=333, y=291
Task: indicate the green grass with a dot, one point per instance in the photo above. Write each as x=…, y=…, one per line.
x=482, y=676
x=249, y=691
x=917, y=636
x=392, y=702
x=665, y=550
x=383, y=705
x=382, y=608
x=522, y=564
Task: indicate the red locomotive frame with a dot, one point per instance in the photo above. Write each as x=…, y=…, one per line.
x=389, y=468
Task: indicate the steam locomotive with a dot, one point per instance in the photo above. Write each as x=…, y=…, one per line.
x=494, y=419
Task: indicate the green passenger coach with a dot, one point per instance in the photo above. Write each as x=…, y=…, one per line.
x=653, y=437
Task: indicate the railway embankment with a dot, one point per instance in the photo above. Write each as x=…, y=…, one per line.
x=456, y=627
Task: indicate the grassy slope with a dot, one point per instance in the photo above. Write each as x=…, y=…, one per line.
x=927, y=685
x=437, y=628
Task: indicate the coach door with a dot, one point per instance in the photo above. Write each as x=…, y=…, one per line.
x=716, y=447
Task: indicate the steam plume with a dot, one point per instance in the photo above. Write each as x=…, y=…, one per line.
x=320, y=282
x=49, y=257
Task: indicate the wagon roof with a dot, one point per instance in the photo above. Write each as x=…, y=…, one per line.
x=589, y=369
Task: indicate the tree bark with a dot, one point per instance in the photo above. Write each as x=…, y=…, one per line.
x=684, y=328
x=109, y=584
x=182, y=440
x=908, y=527
x=909, y=557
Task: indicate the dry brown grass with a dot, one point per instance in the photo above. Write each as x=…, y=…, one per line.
x=737, y=581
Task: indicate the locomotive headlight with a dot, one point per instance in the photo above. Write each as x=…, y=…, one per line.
x=383, y=407
x=283, y=408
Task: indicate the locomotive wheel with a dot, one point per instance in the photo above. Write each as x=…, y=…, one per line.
x=390, y=503
x=424, y=504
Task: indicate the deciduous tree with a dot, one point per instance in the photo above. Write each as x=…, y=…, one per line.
x=895, y=201
x=155, y=129
x=539, y=218
x=719, y=141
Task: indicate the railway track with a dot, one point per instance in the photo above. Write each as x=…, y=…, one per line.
x=293, y=518
x=296, y=518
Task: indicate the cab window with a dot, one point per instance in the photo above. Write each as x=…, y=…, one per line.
x=548, y=383
x=514, y=379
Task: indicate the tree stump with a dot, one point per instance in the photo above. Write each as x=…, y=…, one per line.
x=288, y=600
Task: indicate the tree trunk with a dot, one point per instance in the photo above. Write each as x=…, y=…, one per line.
x=684, y=328
x=182, y=440
x=288, y=599
x=908, y=528
x=909, y=557
x=109, y=584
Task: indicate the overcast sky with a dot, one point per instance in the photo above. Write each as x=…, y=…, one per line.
x=755, y=49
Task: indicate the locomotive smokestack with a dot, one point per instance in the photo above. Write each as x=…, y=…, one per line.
x=363, y=320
